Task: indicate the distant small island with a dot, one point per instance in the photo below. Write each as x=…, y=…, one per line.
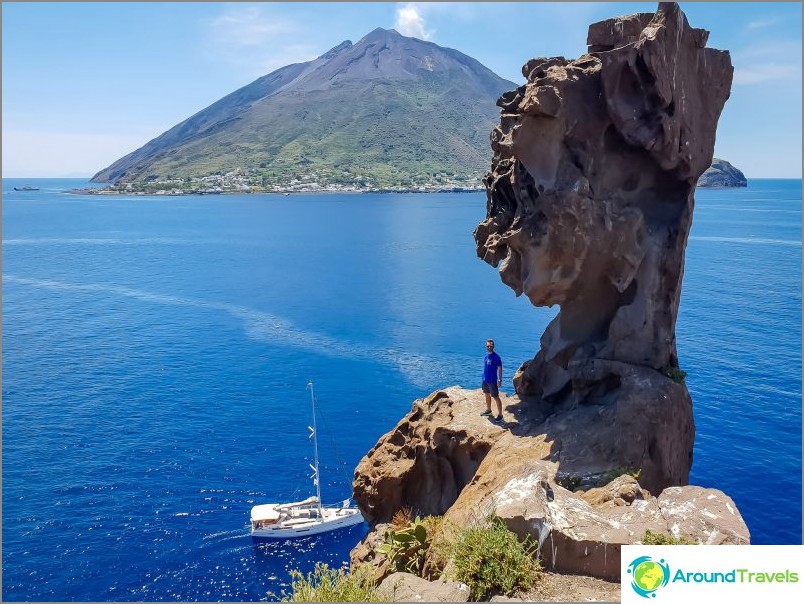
x=722, y=174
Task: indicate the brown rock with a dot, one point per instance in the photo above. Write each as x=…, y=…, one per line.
x=444, y=447
x=590, y=200
x=706, y=515
x=519, y=469
x=366, y=553
x=614, y=33
x=427, y=459
x=404, y=587
x=623, y=490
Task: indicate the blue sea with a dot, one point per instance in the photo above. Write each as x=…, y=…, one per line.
x=156, y=352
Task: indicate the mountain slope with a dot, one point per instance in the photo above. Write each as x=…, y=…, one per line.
x=387, y=111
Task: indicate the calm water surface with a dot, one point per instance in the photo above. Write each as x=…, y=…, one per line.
x=156, y=351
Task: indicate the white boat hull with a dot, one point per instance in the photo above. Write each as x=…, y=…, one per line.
x=303, y=523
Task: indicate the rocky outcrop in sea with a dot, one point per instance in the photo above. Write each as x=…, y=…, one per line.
x=722, y=174
x=589, y=206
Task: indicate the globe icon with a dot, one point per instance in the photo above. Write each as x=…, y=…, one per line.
x=649, y=576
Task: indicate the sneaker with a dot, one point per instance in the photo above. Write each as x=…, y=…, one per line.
x=486, y=412
x=498, y=420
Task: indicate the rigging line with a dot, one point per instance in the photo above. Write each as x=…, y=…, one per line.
x=331, y=439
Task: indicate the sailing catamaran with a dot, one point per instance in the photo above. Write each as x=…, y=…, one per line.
x=307, y=517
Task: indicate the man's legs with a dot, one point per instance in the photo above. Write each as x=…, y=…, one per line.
x=488, y=401
x=499, y=405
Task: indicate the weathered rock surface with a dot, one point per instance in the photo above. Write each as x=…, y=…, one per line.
x=590, y=201
x=470, y=468
x=435, y=453
x=425, y=461
x=404, y=587
x=366, y=553
x=580, y=537
x=722, y=174
x=552, y=587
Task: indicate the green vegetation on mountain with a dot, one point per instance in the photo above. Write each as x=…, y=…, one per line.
x=389, y=111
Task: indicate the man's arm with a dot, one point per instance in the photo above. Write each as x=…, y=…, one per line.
x=499, y=373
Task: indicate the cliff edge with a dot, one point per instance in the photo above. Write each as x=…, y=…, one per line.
x=562, y=477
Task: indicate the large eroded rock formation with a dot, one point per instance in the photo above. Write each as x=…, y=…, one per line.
x=590, y=202
x=590, y=195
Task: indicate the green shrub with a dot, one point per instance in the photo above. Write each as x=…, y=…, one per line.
x=442, y=535
x=326, y=584
x=617, y=472
x=677, y=374
x=491, y=559
x=651, y=538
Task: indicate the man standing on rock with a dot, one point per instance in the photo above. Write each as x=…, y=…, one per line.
x=492, y=380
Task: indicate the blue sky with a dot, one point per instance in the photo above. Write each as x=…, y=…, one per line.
x=86, y=83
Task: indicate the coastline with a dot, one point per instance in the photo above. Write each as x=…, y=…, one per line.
x=281, y=191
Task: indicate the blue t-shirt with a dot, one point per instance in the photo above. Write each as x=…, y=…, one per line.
x=490, y=364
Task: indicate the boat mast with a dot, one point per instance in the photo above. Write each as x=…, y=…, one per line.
x=314, y=436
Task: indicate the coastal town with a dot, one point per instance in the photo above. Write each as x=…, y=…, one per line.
x=248, y=181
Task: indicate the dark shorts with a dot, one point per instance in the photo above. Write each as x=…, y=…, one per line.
x=491, y=388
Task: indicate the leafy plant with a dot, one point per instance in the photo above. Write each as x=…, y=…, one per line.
x=326, y=584
x=406, y=546
x=491, y=559
x=677, y=374
x=651, y=538
x=607, y=477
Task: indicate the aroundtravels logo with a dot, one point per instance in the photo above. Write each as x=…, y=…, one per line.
x=648, y=575
x=680, y=574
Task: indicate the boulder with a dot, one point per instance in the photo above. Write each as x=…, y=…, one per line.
x=582, y=532
x=705, y=515
x=404, y=587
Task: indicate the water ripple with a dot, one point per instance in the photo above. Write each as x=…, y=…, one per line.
x=750, y=240
x=266, y=327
